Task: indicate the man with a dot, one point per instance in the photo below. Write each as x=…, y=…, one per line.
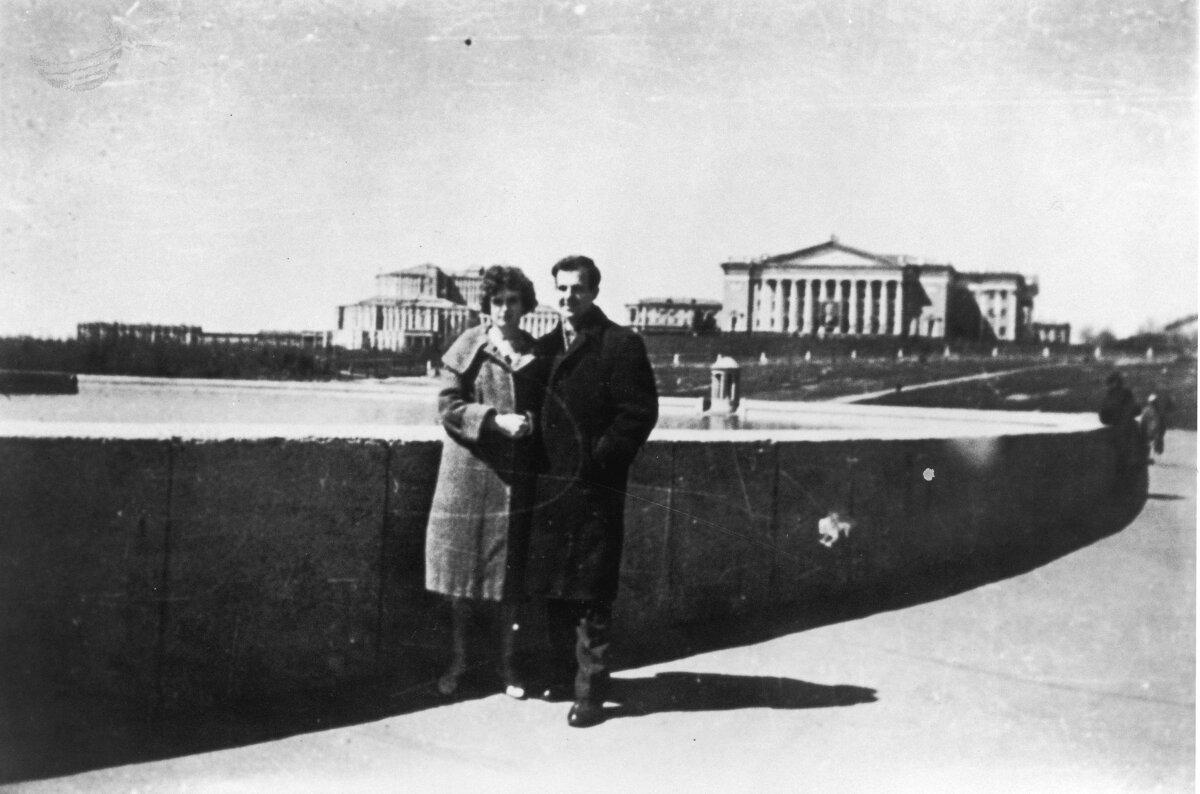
x=1120, y=409
x=1152, y=426
x=1119, y=406
x=601, y=404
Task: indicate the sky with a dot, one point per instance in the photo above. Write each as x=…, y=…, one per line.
x=252, y=164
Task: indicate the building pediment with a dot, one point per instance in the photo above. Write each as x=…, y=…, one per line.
x=837, y=259
x=831, y=254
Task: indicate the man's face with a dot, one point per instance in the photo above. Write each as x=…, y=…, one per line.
x=574, y=295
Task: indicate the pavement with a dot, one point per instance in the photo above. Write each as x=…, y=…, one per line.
x=1076, y=676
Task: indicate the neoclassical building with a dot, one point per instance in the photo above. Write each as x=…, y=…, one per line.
x=672, y=315
x=195, y=335
x=421, y=307
x=832, y=289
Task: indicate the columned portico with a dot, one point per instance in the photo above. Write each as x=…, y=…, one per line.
x=836, y=289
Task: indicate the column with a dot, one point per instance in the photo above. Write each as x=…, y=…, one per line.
x=777, y=306
x=898, y=317
x=866, y=312
x=1013, y=319
x=838, y=299
x=874, y=312
x=794, y=307
x=819, y=295
x=809, y=322
x=887, y=305
x=854, y=306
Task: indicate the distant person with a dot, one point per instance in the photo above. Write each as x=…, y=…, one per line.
x=601, y=404
x=478, y=528
x=1153, y=424
x=1119, y=405
x=1119, y=409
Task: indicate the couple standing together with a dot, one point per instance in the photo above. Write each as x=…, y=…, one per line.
x=530, y=494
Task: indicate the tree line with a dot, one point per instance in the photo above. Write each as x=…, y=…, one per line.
x=172, y=359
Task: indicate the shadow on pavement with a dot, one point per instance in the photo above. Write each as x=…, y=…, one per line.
x=677, y=691
x=102, y=734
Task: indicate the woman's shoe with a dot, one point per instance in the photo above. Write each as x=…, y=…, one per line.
x=514, y=683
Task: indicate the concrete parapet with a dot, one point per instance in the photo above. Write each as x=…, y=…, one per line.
x=182, y=571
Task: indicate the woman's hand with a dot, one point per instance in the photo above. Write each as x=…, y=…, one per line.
x=513, y=426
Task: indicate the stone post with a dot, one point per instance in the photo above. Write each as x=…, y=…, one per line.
x=724, y=394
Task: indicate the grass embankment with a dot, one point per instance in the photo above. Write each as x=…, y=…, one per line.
x=1071, y=387
x=1070, y=380
x=797, y=379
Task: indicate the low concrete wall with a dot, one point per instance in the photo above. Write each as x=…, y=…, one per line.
x=181, y=572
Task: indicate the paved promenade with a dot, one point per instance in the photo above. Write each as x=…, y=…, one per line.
x=1076, y=676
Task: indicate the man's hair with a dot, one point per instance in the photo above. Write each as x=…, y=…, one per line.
x=498, y=278
x=582, y=264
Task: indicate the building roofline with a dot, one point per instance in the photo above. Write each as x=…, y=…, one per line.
x=985, y=274
x=426, y=267
x=831, y=244
x=676, y=301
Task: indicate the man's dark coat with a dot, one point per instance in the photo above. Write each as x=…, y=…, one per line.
x=601, y=404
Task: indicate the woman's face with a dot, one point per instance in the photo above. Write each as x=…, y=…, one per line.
x=506, y=309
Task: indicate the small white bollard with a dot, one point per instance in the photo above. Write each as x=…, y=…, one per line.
x=1149, y=354
x=899, y=354
x=995, y=352
x=675, y=360
x=1045, y=352
x=762, y=358
x=853, y=354
x=808, y=355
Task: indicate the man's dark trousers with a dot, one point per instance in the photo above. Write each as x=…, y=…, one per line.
x=582, y=626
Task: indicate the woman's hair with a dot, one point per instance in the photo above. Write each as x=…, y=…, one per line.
x=498, y=278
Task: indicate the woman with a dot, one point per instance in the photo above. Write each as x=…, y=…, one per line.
x=479, y=521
